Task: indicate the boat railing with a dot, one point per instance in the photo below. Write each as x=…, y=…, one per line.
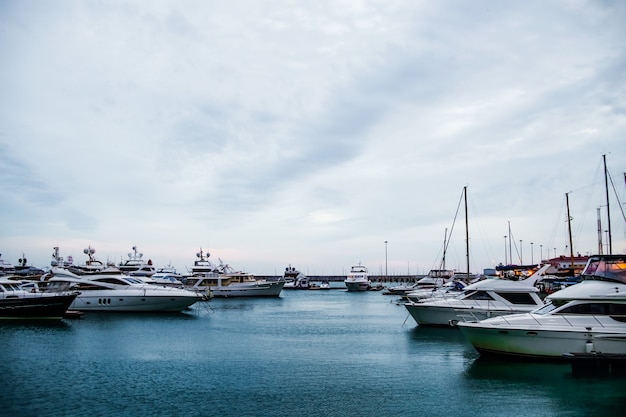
x=562, y=319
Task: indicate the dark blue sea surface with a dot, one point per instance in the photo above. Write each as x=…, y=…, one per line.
x=307, y=353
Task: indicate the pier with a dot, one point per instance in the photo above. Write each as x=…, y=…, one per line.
x=597, y=364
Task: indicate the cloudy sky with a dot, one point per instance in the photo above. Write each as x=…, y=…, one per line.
x=310, y=133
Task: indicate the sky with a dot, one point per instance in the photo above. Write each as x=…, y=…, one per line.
x=314, y=134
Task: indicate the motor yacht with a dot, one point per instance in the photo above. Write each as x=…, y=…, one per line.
x=136, y=266
x=19, y=303
x=586, y=317
x=224, y=281
x=358, y=279
x=119, y=292
x=295, y=280
x=487, y=298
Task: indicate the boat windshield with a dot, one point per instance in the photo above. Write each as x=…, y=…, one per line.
x=551, y=306
x=606, y=268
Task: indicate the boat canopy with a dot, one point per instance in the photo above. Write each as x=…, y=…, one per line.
x=606, y=268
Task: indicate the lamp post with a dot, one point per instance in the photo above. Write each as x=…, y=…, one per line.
x=386, y=276
x=541, y=252
x=521, y=257
x=532, y=254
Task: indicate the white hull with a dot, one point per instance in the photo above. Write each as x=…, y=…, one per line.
x=257, y=289
x=522, y=338
x=451, y=313
x=122, y=301
x=354, y=286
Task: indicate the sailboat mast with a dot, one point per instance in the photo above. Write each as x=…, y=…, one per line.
x=466, y=235
x=608, y=209
x=445, y=247
x=569, y=232
x=599, y=233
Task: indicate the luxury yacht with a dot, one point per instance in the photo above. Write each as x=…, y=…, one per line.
x=358, y=279
x=19, y=303
x=119, y=292
x=586, y=317
x=223, y=281
x=487, y=298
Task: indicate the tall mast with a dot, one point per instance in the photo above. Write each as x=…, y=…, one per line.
x=599, y=233
x=608, y=209
x=466, y=235
x=445, y=247
x=569, y=231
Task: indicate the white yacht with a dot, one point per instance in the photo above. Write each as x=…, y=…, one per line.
x=448, y=290
x=358, y=279
x=483, y=299
x=434, y=279
x=586, y=317
x=295, y=280
x=136, y=266
x=223, y=281
x=119, y=292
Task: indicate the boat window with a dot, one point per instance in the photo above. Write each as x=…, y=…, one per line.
x=604, y=309
x=517, y=297
x=479, y=295
x=113, y=281
x=611, y=268
x=546, y=308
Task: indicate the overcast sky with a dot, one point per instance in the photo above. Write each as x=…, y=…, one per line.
x=310, y=133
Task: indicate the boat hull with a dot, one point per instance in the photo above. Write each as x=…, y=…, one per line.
x=35, y=307
x=450, y=315
x=550, y=341
x=354, y=286
x=257, y=289
x=118, y=301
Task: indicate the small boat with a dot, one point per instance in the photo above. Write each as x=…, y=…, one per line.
x=448, y=290
x=358, y=279
x=434, y=279
x=295, y=280
x=19, y=303
x=588, y=317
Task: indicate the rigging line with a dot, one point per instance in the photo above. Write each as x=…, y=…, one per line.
x=458, y=207
x=619, y=203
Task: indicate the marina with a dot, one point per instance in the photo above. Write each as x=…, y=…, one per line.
x=313, y=353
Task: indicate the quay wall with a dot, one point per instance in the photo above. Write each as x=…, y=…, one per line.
x=341, y=278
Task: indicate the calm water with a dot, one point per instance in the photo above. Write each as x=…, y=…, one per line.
x=307, y=353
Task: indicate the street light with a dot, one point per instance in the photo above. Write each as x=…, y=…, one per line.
x=532, y=254
x=386, y=276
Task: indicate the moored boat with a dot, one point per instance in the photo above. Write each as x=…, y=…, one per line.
x=586, y=317
x=358, y=279
x=17, y=303
x=483, y=299
x=223, y=281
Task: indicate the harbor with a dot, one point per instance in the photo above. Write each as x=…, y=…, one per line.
x=313, y=353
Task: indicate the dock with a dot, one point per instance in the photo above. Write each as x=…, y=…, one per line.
x=597, y=364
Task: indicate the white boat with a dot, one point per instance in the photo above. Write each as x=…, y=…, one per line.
x=358, y=279
x=136, y=266
x=586, y=317
x=295, y=280
x=223, y=281
x=434, y=279
x=487, y=298
x=448, y=290
x=19, y=303
x=119, y=292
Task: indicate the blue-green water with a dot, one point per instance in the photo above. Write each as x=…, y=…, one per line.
x=307, y=353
